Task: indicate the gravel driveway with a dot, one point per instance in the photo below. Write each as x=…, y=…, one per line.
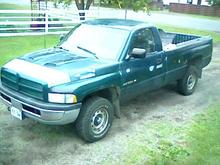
x=31, y=143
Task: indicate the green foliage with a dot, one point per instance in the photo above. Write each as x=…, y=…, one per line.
x=80, y=4
x=66, y=2
x=132, y=4
x=214, y=2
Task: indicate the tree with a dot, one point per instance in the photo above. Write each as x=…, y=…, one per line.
x=129, y=4
x=132, y=4
x=85, y=4
x=80, y=4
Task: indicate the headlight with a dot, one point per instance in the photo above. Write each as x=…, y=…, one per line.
x=61, y=98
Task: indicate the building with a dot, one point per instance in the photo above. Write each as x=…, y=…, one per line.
x=194, y=2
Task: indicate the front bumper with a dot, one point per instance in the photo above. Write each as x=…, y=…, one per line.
x=47, y=113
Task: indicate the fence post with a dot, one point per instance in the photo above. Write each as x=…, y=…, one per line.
x=46, y=21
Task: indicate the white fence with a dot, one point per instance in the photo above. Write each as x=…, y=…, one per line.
x=30, y=22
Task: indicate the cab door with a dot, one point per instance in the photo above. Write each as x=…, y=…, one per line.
x=141, y=74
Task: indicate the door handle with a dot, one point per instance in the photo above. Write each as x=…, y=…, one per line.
x=159, y=61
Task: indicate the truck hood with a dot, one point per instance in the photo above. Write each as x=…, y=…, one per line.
x=56, y=66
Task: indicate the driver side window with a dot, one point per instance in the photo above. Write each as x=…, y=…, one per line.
x=143, y=39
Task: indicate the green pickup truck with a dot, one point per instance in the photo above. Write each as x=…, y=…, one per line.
x=96, y=66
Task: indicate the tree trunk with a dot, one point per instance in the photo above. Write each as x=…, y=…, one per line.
x=88, y=4
x=80, y=4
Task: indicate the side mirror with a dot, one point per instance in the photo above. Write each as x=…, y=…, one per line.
x=138, y=53
x=62, y=37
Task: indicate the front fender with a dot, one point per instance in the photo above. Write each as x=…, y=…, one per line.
x=83, y=88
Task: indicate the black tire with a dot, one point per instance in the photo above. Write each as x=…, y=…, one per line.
x=95, y=119
x=187, y=84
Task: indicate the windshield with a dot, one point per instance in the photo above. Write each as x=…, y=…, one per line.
x=96, y=41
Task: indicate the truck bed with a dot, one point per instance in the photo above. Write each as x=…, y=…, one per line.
x=171, y=40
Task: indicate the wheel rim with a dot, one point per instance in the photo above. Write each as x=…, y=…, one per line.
x=99, y=120
x=191, y=81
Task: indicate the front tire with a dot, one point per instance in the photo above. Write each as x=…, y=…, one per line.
x=95, y=119
x=187, y=84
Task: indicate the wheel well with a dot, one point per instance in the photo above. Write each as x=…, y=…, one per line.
x=197, y=62
x=112, y=94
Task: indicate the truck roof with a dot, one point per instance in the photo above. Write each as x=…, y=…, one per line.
x=118, y=23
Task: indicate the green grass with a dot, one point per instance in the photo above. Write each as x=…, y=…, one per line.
x=156, y=145
x=8, y=6
x=204, y=142
x=199, y=143
x=216, y=18
x=188, y=15
x=12, y=47
x=214, y=35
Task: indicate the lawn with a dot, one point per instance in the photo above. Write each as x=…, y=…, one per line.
x=12, y=47
x=8, y=6
x=203, y=137
x=189, y=15
x=200, y=144
x=214, y=35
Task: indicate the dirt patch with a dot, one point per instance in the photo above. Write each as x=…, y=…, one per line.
x=29, y=142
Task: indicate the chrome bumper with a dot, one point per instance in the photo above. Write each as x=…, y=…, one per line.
x=47, y=116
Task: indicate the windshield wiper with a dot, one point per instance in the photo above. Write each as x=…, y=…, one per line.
x=88, y=51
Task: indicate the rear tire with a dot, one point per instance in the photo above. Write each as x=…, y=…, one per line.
x=95, y=119
x=187, y=84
